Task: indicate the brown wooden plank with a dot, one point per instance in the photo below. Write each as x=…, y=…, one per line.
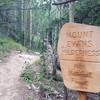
x=79, y=55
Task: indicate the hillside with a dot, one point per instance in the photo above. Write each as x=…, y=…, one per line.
x=7, y=45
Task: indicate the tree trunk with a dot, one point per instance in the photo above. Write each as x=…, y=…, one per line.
x=71, y=12
x=30, y=26
x=22, y=21
x=65, y=93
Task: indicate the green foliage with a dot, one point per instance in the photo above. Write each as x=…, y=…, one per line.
x=7, y=45
x=27, y=75
x=37, y=43
x=41, y=74
x=88, y=11
x=38, y=62
x=45, y=18
x=30, y=98
x=45, y=87
x=5, y=1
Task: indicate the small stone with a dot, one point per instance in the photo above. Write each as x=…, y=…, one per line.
x=29, y=87
x=0, y=94
x=0, y=61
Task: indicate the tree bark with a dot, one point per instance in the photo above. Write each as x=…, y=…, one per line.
x=71, y=12
x=22, y=21
x=65, y=93
x=30, y=26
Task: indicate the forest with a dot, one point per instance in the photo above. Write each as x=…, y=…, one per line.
x=29, y=34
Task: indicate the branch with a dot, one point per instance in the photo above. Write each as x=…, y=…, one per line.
x=63, y=2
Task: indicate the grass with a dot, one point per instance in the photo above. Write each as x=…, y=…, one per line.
x=7, y=45
x=31, y=76
x=27, y=75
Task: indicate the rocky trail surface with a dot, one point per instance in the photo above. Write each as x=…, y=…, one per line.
x=11, y=87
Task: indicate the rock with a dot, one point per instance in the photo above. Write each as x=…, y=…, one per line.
x=0, y=61
x=29, y=87
x=37, y=53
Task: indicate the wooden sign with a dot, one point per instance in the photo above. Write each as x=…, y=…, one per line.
x=79, y=55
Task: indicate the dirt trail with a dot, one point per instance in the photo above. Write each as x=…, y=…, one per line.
x=11, y=87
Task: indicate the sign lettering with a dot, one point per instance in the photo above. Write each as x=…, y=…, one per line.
x=79, y=55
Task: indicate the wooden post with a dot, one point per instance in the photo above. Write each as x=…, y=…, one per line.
x=82, y=96
x=65, y=93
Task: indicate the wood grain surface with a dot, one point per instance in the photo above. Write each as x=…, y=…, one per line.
x=79, y=55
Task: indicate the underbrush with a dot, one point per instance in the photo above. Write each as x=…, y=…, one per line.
x=7, y=45
x=29, y=73
x=35, y=74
